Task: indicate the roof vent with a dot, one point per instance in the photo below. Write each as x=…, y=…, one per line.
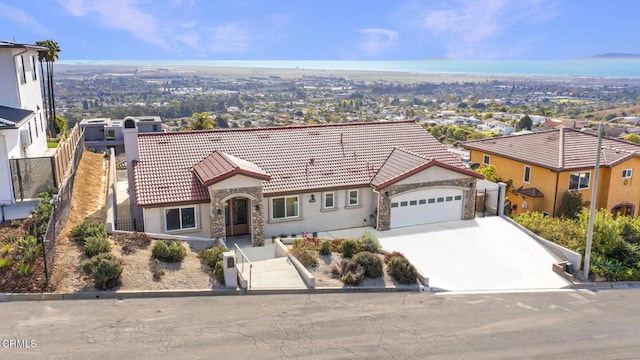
x=216, y=138
x=312, y=133
x=263, y=136
x=327, y=172
x=163, y=142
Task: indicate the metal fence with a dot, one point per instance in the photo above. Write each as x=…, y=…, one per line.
x=61, y=208
x=487, y=202
x=129, y=225
x=31, y=176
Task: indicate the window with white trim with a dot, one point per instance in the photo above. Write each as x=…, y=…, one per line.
x=526, y=177
x=34, y=72
x=485, y=160
x=328, y=200
x=180, y=218
x=20, y=68
x=285, y=207
x=579, y=181
x=626, y=173
x=354, y=198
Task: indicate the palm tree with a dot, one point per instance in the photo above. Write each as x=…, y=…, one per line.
x=49, y=56
x=200, y=121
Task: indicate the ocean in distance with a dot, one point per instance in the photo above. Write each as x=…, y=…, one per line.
x=588, y=68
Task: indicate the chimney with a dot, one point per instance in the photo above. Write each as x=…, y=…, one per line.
x=130, y=135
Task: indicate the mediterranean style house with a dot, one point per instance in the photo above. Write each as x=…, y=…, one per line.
x=289, y=180
x=23, y=126
x=545, y=164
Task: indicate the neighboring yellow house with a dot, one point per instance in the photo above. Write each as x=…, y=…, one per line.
x=543, y=165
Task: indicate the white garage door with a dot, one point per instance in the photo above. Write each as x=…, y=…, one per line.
x=426, y=206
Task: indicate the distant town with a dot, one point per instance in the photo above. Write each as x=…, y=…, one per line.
x=272, y=98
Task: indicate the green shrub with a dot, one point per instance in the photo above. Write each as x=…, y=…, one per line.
x=23, y=268
x=88, y=228
x=400, y=269
x=352, y=273
x=106, y=272
x=370, y=243
x=6, y=248
x=212, y=255
x=16, y=223
x=28, y=248
x=304, y=252
x=348, y=248
x=94, y=245
x=218, y=272
x=168, y=251
x=371, y=263
x=87, y=267
x=391, y=255
x=5, y=262
x=325, y=247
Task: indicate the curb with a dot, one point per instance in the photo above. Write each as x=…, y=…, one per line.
x=150, y=294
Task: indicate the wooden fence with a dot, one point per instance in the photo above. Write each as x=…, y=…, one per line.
x=64, y=154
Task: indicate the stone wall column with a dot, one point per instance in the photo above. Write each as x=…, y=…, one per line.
x=257, y=222
x=218, y=229
x=384, y=211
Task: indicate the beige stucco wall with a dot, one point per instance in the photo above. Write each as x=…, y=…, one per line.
x=314, y=218
x=236, y=181
x=434, y=173
x=154, y=221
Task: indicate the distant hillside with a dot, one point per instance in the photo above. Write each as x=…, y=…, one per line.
x=616, y=56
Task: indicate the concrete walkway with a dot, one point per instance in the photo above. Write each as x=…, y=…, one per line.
x=276, y=273
x=484, y=254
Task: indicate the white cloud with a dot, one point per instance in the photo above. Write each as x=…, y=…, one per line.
x=20, y=16
x=121, y=15
x=376, y=41
x=167, y=31
x=476, y=29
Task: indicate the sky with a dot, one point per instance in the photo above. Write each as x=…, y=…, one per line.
x=325, y=30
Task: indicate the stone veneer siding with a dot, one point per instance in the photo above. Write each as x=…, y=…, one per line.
x=257, y=215
x=384, y=203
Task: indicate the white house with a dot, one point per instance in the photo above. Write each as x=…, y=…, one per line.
x=23, y=126
x=268, y=181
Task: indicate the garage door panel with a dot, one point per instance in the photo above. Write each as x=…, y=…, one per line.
x=426, y=206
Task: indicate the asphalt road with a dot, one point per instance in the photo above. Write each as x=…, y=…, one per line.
x=551, y=325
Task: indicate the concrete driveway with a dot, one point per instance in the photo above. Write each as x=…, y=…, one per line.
x=484, y=254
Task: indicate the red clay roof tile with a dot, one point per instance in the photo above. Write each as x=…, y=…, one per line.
x=303, y=158
x=559, y=149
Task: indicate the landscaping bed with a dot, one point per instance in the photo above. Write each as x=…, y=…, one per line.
x=353, y=263
x=17, y=274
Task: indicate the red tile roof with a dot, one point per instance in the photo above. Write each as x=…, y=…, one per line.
x=530, y=192
x=402, y=163
x=559, y=149
x=302, y=158
x=219, y=166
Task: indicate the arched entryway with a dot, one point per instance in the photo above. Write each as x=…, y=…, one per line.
x=237, y=216
x=623, y=209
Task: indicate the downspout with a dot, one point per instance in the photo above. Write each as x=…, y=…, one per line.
x=555, y=197
x=377, y=208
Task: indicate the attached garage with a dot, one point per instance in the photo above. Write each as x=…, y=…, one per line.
x=426, y=206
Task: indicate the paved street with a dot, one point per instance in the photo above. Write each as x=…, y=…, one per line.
x=548, y=325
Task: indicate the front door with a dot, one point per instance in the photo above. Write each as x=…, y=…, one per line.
x=236, y=217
